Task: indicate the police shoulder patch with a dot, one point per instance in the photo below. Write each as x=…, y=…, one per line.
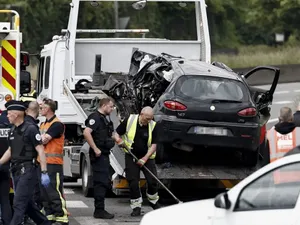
x=38, y=137
x=92, y=121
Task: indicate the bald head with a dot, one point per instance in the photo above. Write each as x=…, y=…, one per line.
x=146, y=115
x=33, y=109
x=147, y=111
x=286, y=114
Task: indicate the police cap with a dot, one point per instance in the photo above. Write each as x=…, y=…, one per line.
x=16, y=105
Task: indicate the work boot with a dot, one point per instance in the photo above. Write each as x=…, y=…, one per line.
x=103, y=214
x=155, y=206
x=136, y=211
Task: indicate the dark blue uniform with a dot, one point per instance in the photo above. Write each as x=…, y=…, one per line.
x=22, y=140
x=102, y=132
x=6, y=212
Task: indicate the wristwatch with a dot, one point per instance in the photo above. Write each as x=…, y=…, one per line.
x=44, y=171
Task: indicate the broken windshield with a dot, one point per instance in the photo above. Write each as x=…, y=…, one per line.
x=164, y=20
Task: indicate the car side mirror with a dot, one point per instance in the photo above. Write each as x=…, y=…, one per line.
x=222, y=201
x=25, y=82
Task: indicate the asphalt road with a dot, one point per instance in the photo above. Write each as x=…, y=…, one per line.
x=81, y=208
x=283, y=96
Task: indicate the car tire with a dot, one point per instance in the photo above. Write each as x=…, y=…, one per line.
x=160, y=151
x=264, y=151
x=250, y=158
x=86, y=182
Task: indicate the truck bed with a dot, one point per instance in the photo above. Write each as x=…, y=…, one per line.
x=185, y=171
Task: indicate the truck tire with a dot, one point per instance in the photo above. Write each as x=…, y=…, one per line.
x=86, y=181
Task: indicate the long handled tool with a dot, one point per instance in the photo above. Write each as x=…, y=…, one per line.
x=155, y=177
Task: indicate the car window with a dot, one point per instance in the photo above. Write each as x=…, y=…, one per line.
x=208, y=88
x=278, y=189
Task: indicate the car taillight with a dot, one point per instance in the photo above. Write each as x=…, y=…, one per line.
x=173, y=105
x=263, y=131
x=247, y=112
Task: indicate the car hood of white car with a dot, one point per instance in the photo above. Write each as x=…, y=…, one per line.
x=195, y=212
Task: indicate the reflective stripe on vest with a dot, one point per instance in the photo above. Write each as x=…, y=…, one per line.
x=279, y=145
x=28, y=97
x=131, y=126
x=54, y=148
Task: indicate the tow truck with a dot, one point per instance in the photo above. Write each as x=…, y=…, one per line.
x=69, y=62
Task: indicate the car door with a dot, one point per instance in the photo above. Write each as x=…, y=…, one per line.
x=271, y=199
x=262, y=97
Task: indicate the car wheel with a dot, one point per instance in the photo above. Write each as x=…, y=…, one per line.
x=250, y=158
x=86, y=182
x=264, y=151
x=159, y=153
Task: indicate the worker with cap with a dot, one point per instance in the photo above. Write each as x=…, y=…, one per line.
x=25, y=144
x=139, y=134
x=6, y=210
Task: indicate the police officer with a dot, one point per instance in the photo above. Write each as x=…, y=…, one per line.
x=25, y=144
x=53, y=138
x=139, y=133
x=98, y=133
x=32, y=112
x=6, y=211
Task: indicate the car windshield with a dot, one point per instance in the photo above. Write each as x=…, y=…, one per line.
x=211, y=88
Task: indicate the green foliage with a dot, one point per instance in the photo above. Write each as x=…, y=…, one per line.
x=232, y=23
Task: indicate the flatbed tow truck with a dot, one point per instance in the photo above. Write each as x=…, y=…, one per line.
x=68, y=62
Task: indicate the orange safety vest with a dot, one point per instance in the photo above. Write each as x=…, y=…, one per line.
x=54, y=149
x=279, y=145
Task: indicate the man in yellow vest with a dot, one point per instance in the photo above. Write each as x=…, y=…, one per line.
x=138, y=132
x=52, y=131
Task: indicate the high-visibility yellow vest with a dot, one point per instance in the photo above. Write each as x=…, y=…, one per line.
x=131, y=126
x=28, y=97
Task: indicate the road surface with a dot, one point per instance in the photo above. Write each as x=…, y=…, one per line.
x=81, y=208
x=283, y=96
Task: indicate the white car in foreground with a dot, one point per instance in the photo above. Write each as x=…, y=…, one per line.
x=270, y=196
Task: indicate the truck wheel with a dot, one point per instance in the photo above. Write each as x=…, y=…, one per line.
x=86, y=181
x=250, y=158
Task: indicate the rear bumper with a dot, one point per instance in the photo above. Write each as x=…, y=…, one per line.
x=241, y=136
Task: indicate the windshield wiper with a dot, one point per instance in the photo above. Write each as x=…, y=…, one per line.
x=224, y=101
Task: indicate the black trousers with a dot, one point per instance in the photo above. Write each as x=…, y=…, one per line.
x=6, y=210
x=25, y=180
x=101, y=180
x=133, y=177
x=52, y=196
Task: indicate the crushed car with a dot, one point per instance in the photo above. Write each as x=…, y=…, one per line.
x=201, y=108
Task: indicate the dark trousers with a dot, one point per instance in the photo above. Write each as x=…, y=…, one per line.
x=52, y=196
x=6, y=211
x=101, y=180
x=133, y=177
x=24, y=184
